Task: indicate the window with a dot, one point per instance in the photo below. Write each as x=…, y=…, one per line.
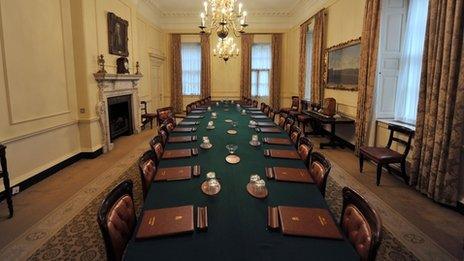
x=260, y=69
x=309, y=62
x=407, y=93
x=191, y=68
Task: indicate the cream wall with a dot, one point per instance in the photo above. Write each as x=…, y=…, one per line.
x=91, y=39
x=48, y=94
x=39, y=129
x=340, y=28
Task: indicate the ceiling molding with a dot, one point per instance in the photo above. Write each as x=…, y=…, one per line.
x=286, y=18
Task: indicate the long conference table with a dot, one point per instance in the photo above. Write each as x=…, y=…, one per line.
x=237, y=222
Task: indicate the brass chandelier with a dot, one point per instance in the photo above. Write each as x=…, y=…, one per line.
x=226, y=49
x=223, y=16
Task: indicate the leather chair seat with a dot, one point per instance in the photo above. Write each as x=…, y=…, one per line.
x=381, y=155
x=302, y=118
x=294, y=113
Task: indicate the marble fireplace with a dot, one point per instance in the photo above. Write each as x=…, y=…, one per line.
x=118, y=106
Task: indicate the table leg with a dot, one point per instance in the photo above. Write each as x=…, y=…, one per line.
x=332, y=139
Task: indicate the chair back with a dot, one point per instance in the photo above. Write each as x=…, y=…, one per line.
x=170, y=124
x=319, y=168
x=295, y=103
x=295, y=134
x=143, y=107
x=288, y=124
x=262, y=106
x=272, y=114
x=117, y=220
x=164, y=133
x=3, y=164
x=361, y=224
x=403, y=130
x=282, y=119
x=266, y=109
x=156, y=144
x=255, y=103
x=164, y=113
x=305, y=147
x=188, y=109
x=148, y=164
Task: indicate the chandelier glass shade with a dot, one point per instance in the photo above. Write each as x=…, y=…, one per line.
x=225, y=17
x=226, y=49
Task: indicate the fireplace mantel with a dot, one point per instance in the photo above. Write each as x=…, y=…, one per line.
x=114, y=85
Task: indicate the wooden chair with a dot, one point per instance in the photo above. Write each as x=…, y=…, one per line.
x=117, y=220
x=6, y=179
x=288, y=124
x=305, y=147
x=170, y=124
x=163, y=114
x=262, y=106
x=188, y=109
x=156, y=144
x=146, y=116
x=303, y=119
x=272, y=114
x=148, y=165
x=164, y=133
x=266, y=109
x=282, y=119
x=385, y=156
x=319, y=168
x=255, y=104
x=361, y=224
x=295, y=105
x=295, y=134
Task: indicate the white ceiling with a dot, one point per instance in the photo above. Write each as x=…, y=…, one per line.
x=189, y=6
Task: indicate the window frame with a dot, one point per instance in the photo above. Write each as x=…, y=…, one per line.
x=196, y=92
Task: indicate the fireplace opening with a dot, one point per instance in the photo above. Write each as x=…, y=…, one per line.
x=120, y=116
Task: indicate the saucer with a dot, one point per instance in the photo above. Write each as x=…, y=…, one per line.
x=228, y=120
x=206, y=146
x=255, y=193
x=204, y=188
x=232, y=132
x=210, y=127
x=254, y=144
x=233, y=159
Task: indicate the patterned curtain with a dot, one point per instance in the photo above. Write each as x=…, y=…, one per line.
x=176, y=74
x=245, y=80
x=318, y=57
x=205, y=66
x=367, y=71
x=302, y=65
x=276, y=75
x=440, y=114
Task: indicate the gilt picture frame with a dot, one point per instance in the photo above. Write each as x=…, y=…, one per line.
x=341, y=64
x=117, y=35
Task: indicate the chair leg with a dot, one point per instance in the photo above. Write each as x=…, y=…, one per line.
x=361, y=162
x=403, y=172
x=379, y=173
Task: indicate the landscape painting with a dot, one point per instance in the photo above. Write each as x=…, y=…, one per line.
x=342, y=66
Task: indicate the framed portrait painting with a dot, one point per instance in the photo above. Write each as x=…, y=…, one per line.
x=342, y=66
x=117, y=35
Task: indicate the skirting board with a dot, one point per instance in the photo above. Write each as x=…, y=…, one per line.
x=54, y=169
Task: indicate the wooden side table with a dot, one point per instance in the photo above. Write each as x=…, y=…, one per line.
x=6, y=179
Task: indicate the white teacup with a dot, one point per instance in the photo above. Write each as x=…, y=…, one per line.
x=213, y=114
x=254, y=138
x=206, y=140
x=254, y=178
x=210, y=123
x=243, y=111
x=211, y=175
x=209, y=108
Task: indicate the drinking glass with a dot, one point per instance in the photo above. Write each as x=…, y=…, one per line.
x=231, y=148
x=260, y=185
x=254, y=178
x=254, y=138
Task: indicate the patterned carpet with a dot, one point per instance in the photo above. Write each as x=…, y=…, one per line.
x=80, y=239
